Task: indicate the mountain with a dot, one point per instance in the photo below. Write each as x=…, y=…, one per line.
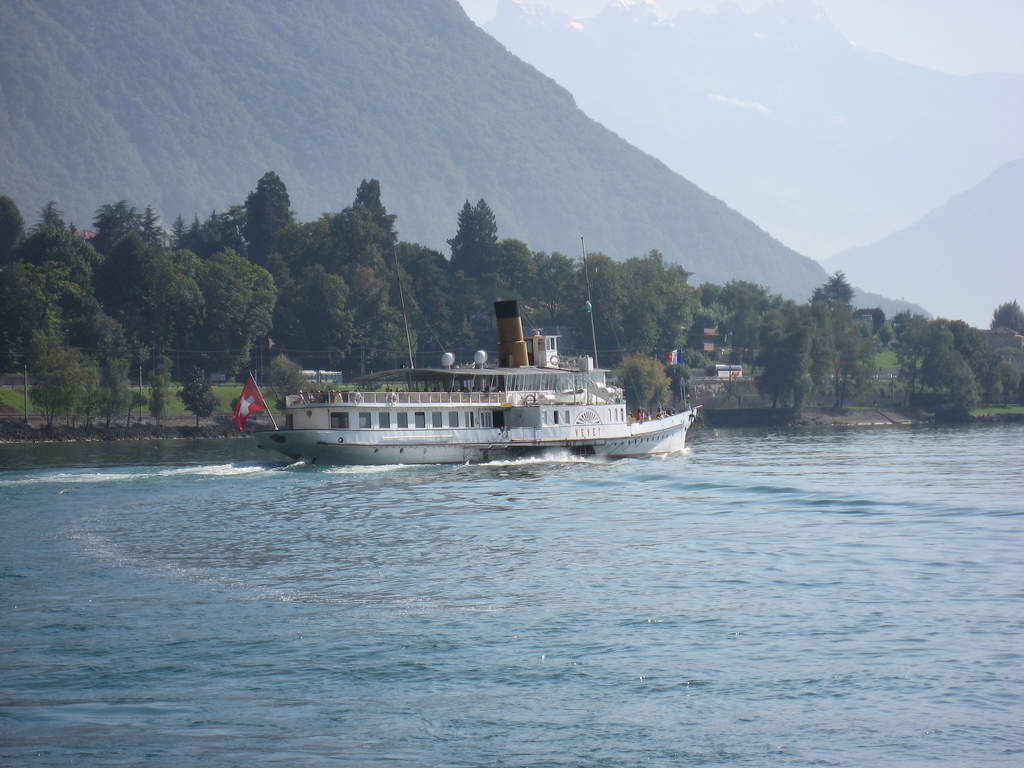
x=825, y=145
x=961, y=261
x=185, y=104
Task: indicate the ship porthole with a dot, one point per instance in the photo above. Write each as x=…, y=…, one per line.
x=341, y=439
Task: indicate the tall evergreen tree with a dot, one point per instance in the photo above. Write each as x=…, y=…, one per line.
x=475, y=245
x=12, y=227
x=267, y=212
x=113, y=223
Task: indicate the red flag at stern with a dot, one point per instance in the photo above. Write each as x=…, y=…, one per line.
x=250, y=402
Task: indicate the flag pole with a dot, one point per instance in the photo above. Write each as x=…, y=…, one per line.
x=271, y=415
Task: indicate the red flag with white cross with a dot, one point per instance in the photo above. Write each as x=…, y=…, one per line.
x=250, y=402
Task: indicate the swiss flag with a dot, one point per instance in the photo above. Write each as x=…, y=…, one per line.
x=250, y=402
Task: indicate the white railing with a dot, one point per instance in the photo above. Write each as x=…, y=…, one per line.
x=324, y=399
x=329, y=398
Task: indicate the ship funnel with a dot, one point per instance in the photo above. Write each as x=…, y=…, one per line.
x=511, y=346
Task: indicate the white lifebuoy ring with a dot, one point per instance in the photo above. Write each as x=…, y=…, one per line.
x=530, y=399
x=392, y=398
x=356, y=398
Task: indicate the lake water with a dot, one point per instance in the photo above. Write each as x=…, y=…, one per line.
x=782, y=598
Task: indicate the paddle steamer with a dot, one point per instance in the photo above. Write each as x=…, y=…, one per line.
x=530, y=404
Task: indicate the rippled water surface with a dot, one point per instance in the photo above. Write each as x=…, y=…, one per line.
x=827, y=597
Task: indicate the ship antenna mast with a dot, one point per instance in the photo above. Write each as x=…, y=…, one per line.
x=589, y=306
x=405, y=316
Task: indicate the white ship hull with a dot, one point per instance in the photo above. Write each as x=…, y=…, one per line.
x=459, y=446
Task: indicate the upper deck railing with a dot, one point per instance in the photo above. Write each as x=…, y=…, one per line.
x=323, y=399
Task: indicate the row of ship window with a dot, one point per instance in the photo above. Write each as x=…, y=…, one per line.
x=340, y=420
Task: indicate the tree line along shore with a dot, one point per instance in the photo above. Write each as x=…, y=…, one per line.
x=127, y=316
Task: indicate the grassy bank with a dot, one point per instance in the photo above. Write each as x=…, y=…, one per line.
x=13, y=398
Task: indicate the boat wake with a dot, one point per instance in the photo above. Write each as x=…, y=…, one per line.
x=92, y=476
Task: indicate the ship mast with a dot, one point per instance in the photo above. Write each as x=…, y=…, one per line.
x=589, y=306
x=405, y=316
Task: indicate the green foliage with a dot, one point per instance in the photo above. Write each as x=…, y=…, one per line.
x=836, y=293
x=197, y=394
x=56, y=376
x=285, y=377
x=644, y=382
x=240, y=298
x=329, y=297
x=475, y=245
x=785, y=355
x=114, y=396
x=267, y=212
x=1008, y=315
x=113, y=223
x=12, y=227
x=159, y=390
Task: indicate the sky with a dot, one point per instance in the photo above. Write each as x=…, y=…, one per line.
x=959, y=37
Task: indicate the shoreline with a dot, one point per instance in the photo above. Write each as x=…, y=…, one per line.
x=18, y=432
x=829, y=417
x=13, y=433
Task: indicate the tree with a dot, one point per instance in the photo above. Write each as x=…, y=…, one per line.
x=285, y=378
x=836, y=292
x=56, y=376
x=855, y=359
x=1009, y=382
x=323, y=312
x=149, y=228
x=137, y=399
x=267, y=212
x=785, y=355
x=745, y=304
x=644, y=381
x=58, y=244
x=90, y=381
x=1008, y=315
x=239, y=298
x=911, y=331
x=113, y=223
x=159, y=390
x=51, y=216
x=114, y=395
x=178, y=234
x=475, y=245
x=197, y=394
x=12, y=227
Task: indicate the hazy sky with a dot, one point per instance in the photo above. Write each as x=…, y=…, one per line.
x=955, y=36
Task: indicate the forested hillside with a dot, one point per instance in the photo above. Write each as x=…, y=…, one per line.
x=182, y=104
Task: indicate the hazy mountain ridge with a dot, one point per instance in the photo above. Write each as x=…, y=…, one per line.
x=185, y=105
x=824, y=144
x=962, y=260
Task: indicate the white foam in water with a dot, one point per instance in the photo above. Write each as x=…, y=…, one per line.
x=365, y=469
x=214, y=470
x=142, y=473
x=560, y=457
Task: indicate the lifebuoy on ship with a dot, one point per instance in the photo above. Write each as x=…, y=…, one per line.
x=356, y=398
x=392, y=398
